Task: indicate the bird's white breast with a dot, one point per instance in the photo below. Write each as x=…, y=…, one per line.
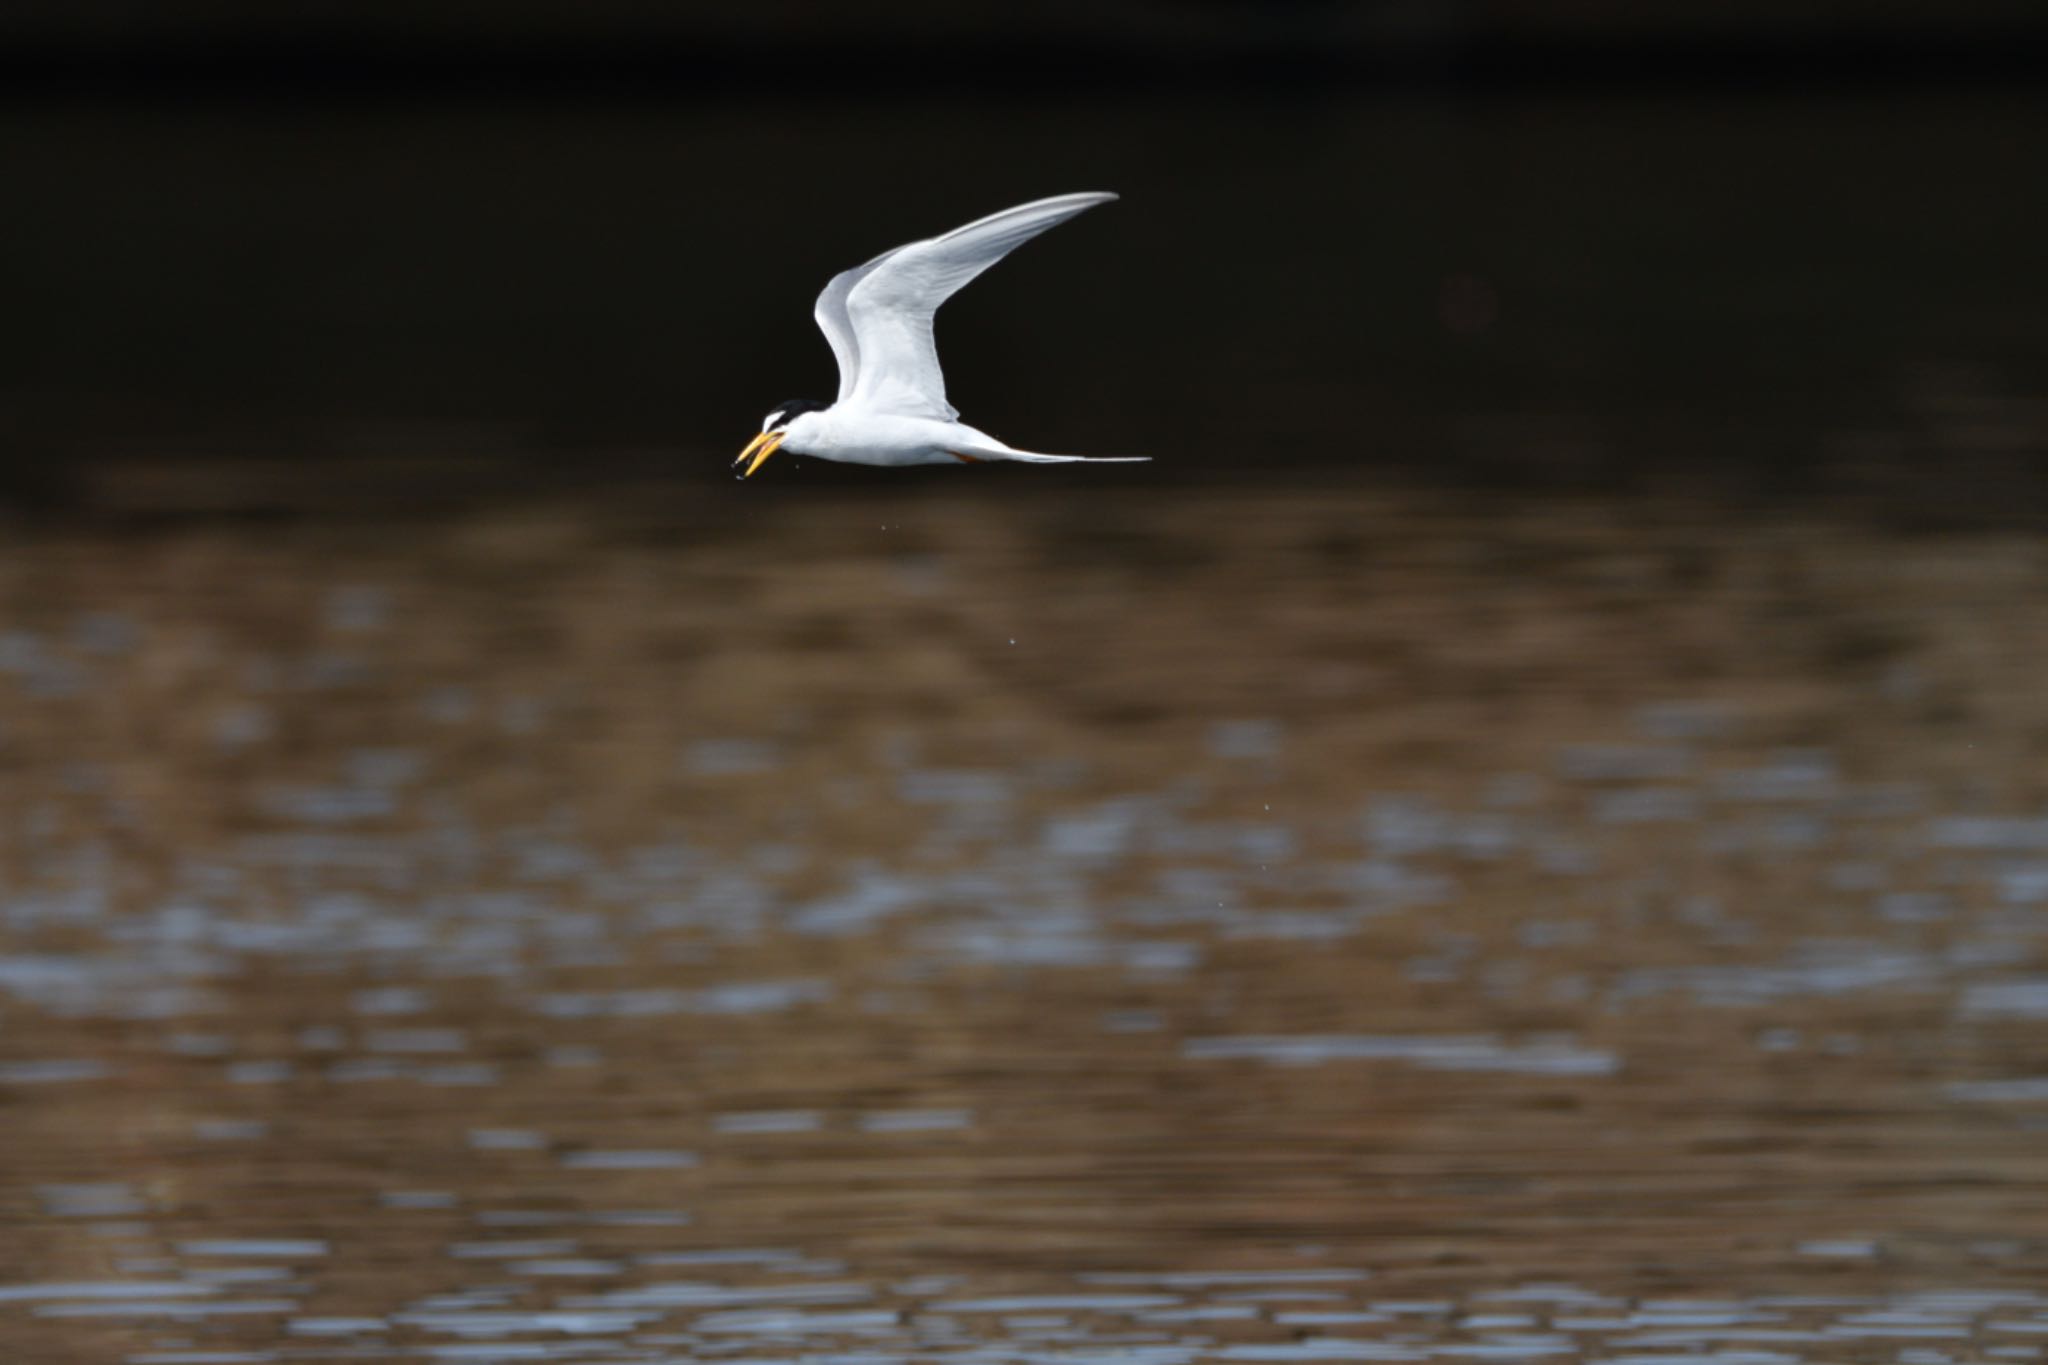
x=856, y=437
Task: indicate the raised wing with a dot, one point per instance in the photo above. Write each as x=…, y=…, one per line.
x=838, y=327
x=888, y=304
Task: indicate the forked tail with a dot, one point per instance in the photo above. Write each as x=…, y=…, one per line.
x=998, y=451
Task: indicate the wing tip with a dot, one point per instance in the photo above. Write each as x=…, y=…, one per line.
x=1067, y=204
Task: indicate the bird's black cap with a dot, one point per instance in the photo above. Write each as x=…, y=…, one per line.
x=782, y=414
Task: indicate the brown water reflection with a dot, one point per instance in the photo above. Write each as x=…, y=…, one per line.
x=982, y=925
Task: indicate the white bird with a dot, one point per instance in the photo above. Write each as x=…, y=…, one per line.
x=892, y=407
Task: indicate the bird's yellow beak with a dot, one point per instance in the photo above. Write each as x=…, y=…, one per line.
x=759, y=449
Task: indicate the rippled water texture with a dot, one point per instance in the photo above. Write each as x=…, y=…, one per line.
x=1004, y=926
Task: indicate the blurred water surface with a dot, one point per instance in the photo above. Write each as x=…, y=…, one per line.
x=992, y=923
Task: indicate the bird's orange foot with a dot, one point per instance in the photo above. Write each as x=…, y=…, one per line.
x=964, y=459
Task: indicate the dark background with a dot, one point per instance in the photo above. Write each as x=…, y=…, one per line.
x=1787, y=249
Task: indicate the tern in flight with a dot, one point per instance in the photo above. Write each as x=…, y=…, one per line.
x=892, y=407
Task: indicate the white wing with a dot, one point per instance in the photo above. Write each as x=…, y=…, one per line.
x=838, y=328
x=879, y=317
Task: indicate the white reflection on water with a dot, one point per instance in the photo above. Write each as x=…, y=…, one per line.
x=1546, y=1056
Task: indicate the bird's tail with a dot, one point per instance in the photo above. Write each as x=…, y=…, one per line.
x=995, y=450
